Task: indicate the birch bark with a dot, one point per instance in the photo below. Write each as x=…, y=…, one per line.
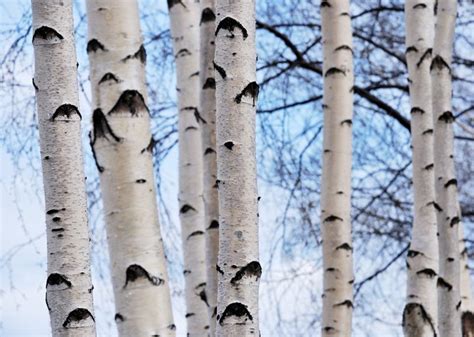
x=68, y=286
x=420, y=313
x=445, y=175
x=207, y=106
x=122, y=143
x=237, y=90
x=467, y=305
x=184, y=19
x=336, y=175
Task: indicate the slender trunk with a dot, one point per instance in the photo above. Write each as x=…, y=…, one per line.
x=445, y=175
x=207, y=106
x=123, y=145
x=69, y=286
x=237, y=90
x=184, y=18
x=420, y=313
x=336, y=175
x=467, y=305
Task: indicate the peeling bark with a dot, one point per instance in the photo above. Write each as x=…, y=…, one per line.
x=420, y=314
x=336, y=175
x=68, y=286
x=185, y=17
x=236, y=94
x=449, y=298
x=122, y=143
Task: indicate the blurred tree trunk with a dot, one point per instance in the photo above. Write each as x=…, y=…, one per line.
x=237, y=91
x=449, y=217
x=69, y=286
x=184, y=18
x=207, y=106
x=123, y=145
x=420, y=313
x=467, y=306
x=336, y=175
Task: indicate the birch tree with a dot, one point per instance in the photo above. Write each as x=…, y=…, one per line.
x=184, y=19
x=420, y=313
x=445, y=175
x=336, y=171
x=237, y=90
x=467, y=305
x=68, y=286
x=207, y=106
x=122, y=145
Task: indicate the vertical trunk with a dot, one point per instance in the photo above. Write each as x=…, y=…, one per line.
x=184, y=17
x=420, y=313
x=69, y=286
x=336, y=175
x=207, y=106
x=123, y=145
x=467, y=306
x=445, y=176
x=237, y=90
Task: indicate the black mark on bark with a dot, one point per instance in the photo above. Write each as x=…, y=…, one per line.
x=332, y=218
x=140, y=181
x=333, y=71
x=56, y=279
x=325, y=4
x=344, y=47
x=172, y=3
x=195, y=233
x=413, y=253
x=439, y=63
x=235, y=309
x=229, y=145
x=34, y=84
x=66, y=111
x=109, y=77
x=150, y=146
x=135, y=271
x=119, y=318
x=129, y=101
x=446, y=117
x=435, y=205
x=183, y=52
x=411, y=49
x=140, y=54
x=203, y=296
x=426, y=132
x=454, y=221
x=415, y=315
x=186, y=208
x=76, y=316
x=416, y=109
x=428, y=272
x=171, y=327
x=220, y=70
x=345, y=246
x=419, y=6
x=209, y=151
x=209, y=84
x=214, y=224
x=442, y=283
x=230, y=24
x=94, y=45
x=189, y=314
x=47, y=34
x=219, y=270
x=251, y=90
x=207, y=15
x=252, y=269
x=426, y=55
x=347, y=303
x=451, y=182
x=347, y=121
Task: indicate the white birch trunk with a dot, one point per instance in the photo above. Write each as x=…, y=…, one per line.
x=467, y=305
x=420, y=313
x=445, y=175
x=237, y=90
x=123, y=145
x=184, y=18
x=207, y=106
x=69, y=286
x=337, y=162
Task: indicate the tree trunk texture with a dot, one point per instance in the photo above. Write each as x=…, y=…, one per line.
x=449, y=217
x=207, y=106
x=238, y=265
x=420, y=313
x=68, y=286
x=467, y=305
x=337, y=161
x=122, y=144
x=184, y=18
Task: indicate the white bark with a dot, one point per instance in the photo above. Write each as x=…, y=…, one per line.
x=69, y=286
x=207, y=106
x=336, y=175
x=123, y=145
x=420, y=313
x=445, y=175
x=237, y=90
x=467, y=305
x=184, y=18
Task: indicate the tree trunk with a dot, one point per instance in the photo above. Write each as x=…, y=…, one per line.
x=184, y=17
x=467, y=305
x=237, y=90
x=336, y=175
x=420, y=313
x=207, y=106
x=123, y=145
x=69, y=286
x=445, y=176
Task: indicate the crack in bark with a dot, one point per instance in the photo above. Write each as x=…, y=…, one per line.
x=66, y=110
x=235, y=309
x=230, y=24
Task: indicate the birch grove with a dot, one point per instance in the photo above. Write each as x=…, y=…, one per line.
x=68, y=285
x=207, y=107
x=420, y=313
x=336, y=171
x=449, y=219
x=184, y=19
x=122, y=145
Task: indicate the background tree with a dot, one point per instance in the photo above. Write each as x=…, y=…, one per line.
x=122, y=146
x=68, y=285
